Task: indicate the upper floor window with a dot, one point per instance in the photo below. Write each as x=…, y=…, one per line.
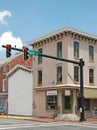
x=5, y=69
x=91, y=53
x=59, y=74
x=40, y=77
x=4, y=85
x=76, y=49
x=91, y=76
x=59, y=49
x=76, y=73
x=40, y=57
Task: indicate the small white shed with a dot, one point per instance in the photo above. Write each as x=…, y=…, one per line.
x=20, y=91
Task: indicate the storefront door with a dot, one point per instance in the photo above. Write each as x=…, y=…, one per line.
x=67, y=104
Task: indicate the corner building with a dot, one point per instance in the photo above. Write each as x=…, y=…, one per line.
x=57, y=83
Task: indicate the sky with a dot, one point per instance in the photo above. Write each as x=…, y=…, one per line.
x=22, y=21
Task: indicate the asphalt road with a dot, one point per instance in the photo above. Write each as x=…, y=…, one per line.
x=10, y=124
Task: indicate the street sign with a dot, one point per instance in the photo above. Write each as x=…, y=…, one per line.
x=33, y=53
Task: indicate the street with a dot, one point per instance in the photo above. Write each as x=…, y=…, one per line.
x=12, y=124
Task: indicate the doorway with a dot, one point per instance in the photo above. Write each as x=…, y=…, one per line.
x=67, y=104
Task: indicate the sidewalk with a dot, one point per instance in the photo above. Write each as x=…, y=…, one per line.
x=88, y=120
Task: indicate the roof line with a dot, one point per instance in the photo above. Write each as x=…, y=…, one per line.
x=16, y=68
x=65, y=29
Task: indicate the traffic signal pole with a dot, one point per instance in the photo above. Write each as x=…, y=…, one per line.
x=13, y=48
x=82, y=116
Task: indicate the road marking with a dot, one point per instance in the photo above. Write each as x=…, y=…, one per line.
x=13, y=126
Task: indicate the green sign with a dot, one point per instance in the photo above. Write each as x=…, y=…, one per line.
x=33, y=53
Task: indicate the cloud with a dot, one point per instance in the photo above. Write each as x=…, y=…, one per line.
x=8, y=38
x=3, y=15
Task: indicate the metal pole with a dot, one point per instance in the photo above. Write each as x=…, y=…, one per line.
x=82, y=116
x=13, y=48
x=57, y=58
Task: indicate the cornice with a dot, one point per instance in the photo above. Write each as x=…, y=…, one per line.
x=65, y=32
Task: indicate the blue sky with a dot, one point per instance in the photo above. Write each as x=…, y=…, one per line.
x=24, y=20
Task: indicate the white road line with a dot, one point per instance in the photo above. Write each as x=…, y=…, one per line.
x=7, y=127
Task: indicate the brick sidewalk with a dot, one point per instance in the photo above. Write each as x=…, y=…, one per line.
x=55, y=120
x=91, y=119
x=47, y=119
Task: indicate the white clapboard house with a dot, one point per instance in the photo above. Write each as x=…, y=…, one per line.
x=20, y=91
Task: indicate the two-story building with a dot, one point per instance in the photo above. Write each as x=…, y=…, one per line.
x=57, y=83
x=7, y=65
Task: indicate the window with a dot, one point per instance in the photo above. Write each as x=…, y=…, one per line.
x=40, y=77
x=59, y=74
x=4, y=85
x=67, y=105
x=5, y=69
x=91, y=76
x=52, y=102
x=40, y=57
x=76, y=49
x=76, y=73
x=91, y=53
x=87, y=104
x=59, y=49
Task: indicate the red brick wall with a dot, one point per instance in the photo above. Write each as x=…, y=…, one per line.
x=18, y=60
x=2, y=76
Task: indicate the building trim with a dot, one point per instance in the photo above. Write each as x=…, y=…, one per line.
x=67, y=31
x=16, y=68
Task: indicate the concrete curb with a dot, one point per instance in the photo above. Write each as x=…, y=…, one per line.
x=47, y=120
x=12, y=117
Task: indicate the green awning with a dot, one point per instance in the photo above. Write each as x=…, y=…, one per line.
x=90, y=93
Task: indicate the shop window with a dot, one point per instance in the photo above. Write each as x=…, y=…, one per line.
x=52, y=102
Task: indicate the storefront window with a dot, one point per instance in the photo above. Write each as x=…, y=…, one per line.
x=51, y=97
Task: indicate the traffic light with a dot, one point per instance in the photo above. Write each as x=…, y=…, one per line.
x=8, y=50
x=25, y=50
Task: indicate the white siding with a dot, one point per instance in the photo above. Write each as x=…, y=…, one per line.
x=20, y=93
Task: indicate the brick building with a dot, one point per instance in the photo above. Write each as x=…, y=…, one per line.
x=5, y=66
